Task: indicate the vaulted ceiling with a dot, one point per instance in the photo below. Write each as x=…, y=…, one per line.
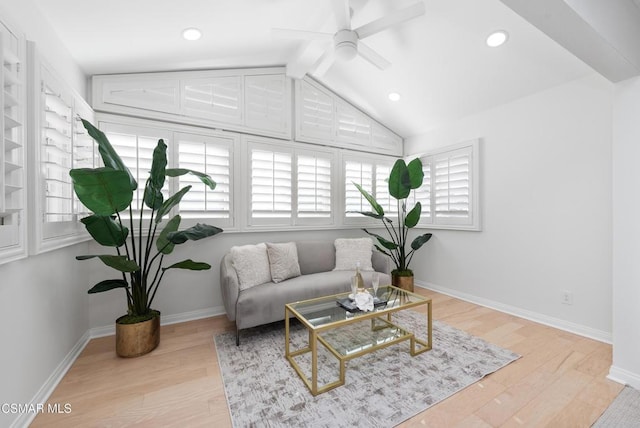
x=441, y=66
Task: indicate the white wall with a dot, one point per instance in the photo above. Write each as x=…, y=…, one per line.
x=26, y=16
x=184, y=291
x=43, y=304
x=546, y=201
x=43, y=314
x=626, y=233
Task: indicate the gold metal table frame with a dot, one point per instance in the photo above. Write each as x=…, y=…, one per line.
x=322, y=314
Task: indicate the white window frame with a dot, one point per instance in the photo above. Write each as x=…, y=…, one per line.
x=51, y=235
x=376, y=161
x=329, y=154
x=225, y=140
x=471, y=222
x=13, y=213
x=268, y=145
x=171, y=133
x=287, y=223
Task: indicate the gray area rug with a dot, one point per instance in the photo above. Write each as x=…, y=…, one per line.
x=382, y=389
x=623, y=412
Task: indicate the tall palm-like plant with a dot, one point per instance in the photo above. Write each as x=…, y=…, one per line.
x=402, y=180
x=108, y=193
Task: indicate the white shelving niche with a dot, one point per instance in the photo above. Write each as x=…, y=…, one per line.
x=12, y=146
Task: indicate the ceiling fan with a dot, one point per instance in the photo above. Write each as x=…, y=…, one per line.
x=347, y=42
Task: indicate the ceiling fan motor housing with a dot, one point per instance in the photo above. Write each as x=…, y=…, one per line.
x=346, y=44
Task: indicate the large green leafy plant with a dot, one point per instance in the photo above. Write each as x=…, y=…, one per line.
x=402, y=180
x=108, y=193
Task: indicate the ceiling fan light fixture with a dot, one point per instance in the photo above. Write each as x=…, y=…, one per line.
x=191, y=34
x=346, y=45
x=497, y=38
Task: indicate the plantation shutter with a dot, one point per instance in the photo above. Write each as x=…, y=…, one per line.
x=452, y=186
x=271, y=186
x=57, y=151
x=314, y=186
x=85, y=150
x=423, y=193
x=316, y=112
x=135, y=146
x=265, y=102
x=12, y=146
x=352, y=125
x=362, y=174
x=211, y=156
x=382, y=195
x=214, y=98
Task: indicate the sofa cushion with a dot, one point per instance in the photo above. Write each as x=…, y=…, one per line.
x=251, y=264
x=264, y=303
x=349, y=252
x=283, y=261
x=316, y=256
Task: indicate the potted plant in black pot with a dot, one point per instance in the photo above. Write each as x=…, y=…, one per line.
x=139, y=253
x=403, y=178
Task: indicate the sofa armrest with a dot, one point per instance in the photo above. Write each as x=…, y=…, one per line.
x=380, y=262
x=229, y=286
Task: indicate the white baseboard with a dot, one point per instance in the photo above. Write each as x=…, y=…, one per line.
x=592, y=333
x=624, y=377
x=41, y=397
x=110, y=330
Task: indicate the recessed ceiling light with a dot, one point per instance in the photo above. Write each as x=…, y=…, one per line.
x=191, y=34
x=394, y=96
x=497, y=38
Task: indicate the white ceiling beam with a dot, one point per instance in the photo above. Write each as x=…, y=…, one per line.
x=603, y=34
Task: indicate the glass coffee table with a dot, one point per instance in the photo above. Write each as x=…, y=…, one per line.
x=326, y=322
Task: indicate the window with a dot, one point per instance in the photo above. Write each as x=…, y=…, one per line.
x=271, y=185
x=384, y=198
x=289, y=186
x=423, y=195
x=63, y=145
x=314, y=187
x=450, y=191
x=211, y=155
x=57, y=152
x=371, y=173
x=207, y=151
x=12, y=147
x=135, y=145
x=362, y=174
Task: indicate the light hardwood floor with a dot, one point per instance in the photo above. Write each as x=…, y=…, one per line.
x=559, y=381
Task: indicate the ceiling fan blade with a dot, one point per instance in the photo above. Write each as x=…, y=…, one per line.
x=394, y=18
x=372, y=56
x=324, y=63
x=342, y=14
x=285, y=33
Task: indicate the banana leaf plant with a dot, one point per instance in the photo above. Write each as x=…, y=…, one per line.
x=108, y=194
x=403, y=178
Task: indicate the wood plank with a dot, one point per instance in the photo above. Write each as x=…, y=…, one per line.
x=559, y=381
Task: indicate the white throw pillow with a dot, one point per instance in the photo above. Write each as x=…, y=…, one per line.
x=283, y=260
x=351, y=251
x=252, y=265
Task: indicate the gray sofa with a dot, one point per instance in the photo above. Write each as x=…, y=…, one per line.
x=264, y=303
